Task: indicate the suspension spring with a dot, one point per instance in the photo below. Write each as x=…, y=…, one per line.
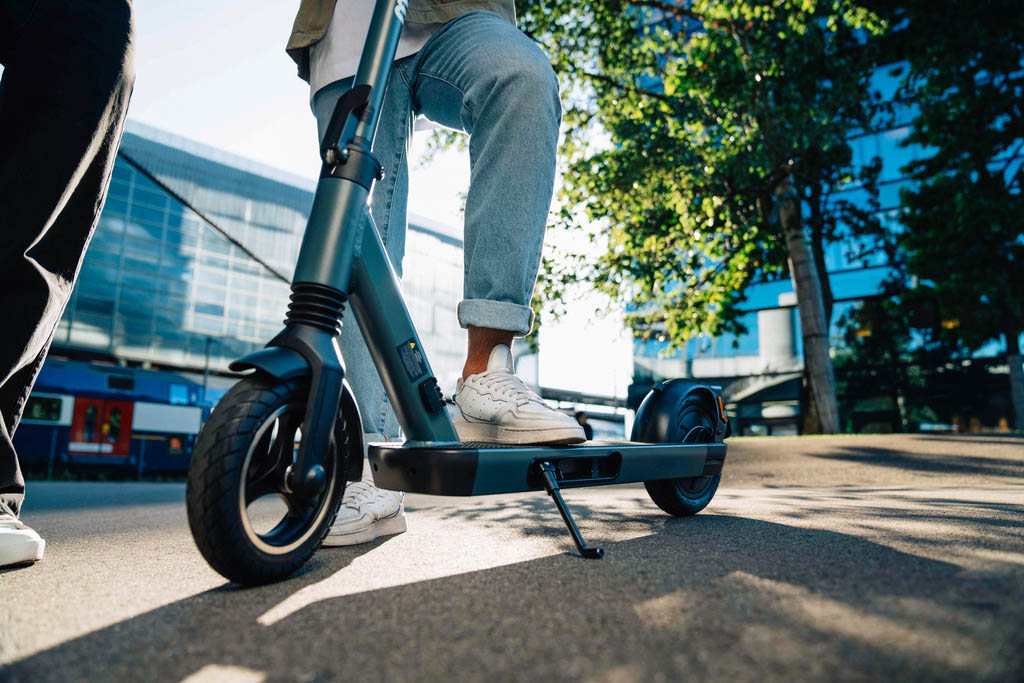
x=316, y=305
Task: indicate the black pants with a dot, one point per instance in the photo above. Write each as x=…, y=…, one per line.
x=68, y=74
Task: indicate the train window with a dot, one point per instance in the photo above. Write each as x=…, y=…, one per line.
x=114, y=425
x=91, y=418
x=45, y=409
x=178, y=395
x=121, y=382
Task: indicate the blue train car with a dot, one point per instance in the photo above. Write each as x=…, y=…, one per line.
x=45, y=427
x=85, y=415
x=163, y=436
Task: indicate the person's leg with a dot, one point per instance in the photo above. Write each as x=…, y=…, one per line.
x=479, y=342
x=368, y=512
x=482, y=75
x=68, y=74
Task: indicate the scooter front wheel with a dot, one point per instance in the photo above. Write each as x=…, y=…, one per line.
x=245, y=520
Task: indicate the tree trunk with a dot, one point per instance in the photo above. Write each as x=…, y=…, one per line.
x=818, y=246
x=810, y=305
x=1016, y=377
x=811, y=423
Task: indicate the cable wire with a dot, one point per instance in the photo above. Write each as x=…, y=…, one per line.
x=221, y=231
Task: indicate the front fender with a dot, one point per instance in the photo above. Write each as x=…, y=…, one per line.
x=278, y=361
x=287, y=364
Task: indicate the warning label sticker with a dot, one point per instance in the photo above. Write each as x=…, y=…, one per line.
x=412, y=359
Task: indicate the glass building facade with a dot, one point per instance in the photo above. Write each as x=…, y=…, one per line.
x=160, y=286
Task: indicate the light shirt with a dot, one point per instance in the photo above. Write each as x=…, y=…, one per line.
x=336, y=55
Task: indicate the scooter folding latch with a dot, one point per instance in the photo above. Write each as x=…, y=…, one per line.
x=547, y=473
x=352, y=103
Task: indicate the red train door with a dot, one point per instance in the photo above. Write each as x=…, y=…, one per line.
x=101, y=427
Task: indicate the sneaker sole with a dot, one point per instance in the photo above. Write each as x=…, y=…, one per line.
x=388, y=526
x=490, y=433
x=27, y=552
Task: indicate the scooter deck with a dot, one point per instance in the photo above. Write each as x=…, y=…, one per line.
x=474, y=469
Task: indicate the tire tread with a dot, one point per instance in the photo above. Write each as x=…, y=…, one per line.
x=211, y=491
x=692, y=411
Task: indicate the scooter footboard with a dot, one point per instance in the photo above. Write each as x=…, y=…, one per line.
x=470, y=469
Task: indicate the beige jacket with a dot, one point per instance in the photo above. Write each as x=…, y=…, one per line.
x=314, y=15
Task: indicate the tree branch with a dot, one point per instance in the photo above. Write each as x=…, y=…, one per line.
x=631, y=88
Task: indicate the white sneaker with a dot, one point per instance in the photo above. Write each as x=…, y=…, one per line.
x=18, y=543
x=495, y=406
x=366, y=513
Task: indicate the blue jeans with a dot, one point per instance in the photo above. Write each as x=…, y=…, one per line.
x=481, y=75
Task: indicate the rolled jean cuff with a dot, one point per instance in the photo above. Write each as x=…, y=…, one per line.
x=496, y=315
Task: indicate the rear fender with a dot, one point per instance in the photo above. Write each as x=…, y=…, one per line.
x=655, y=415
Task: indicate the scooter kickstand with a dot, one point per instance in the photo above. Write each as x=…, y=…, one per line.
x=547, y=473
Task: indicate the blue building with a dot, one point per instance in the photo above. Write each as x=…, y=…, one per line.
x=188, y=269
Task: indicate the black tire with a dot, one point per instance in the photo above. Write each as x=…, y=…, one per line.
x=241, y=455
x=694, y=423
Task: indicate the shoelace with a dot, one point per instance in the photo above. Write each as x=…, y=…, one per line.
x=505, y=384
x=358, y=493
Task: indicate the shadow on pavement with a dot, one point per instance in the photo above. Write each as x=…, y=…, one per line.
x=711, y=596
x=998, y=439
x=945, y=463
x=64, y=495
x=16, y=567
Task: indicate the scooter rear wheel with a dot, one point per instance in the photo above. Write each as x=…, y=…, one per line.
x=237, y=483
x=682, y=497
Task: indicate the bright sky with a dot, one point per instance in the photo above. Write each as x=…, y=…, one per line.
x=216, y=71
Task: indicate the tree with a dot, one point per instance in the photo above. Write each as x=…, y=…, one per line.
x=700, y=135
x=963, y=240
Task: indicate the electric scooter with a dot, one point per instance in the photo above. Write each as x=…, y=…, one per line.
x=291, y=427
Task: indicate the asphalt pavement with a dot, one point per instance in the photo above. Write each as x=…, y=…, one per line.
x=820, y=558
